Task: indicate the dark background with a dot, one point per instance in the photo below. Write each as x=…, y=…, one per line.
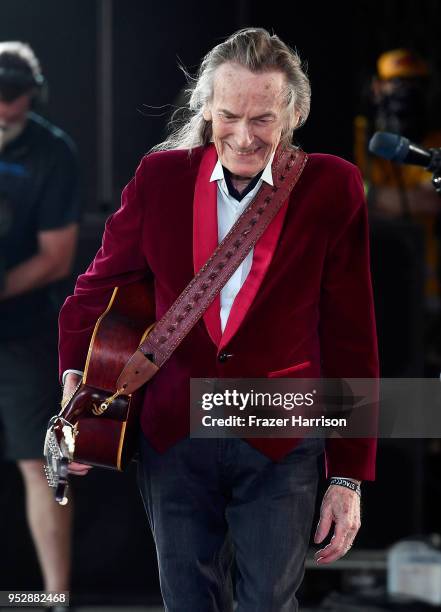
x=340, y=41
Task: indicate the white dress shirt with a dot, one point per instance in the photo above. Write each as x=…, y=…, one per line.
x=228, y=211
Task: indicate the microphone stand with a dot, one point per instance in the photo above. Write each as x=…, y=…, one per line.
x=435, y=168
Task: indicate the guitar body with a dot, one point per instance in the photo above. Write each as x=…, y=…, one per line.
x=108, y=438
x=118, y=333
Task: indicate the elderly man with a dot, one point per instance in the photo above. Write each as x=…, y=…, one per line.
x=299, y=302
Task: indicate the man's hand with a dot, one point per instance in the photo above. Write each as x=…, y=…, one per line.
x=342, y=507
x=52, y=262
x=79, y=469
x=70, y=384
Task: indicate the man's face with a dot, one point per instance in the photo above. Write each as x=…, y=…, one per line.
x=401, y=106
x=13, y=117
x=248, y=113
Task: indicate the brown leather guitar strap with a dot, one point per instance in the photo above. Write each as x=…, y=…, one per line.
x=176, y=323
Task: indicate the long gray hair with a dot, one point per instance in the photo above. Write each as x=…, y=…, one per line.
x=257, y=50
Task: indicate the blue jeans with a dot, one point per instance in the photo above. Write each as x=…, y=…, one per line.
x=212, y=501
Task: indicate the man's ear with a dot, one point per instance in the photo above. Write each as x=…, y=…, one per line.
x=291, y=123
x=376, y=90
x=296, y=119
x=207, y=114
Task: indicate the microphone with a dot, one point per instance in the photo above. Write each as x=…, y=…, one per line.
x=401, y=150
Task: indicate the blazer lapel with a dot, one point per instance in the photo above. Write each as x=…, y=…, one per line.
x=263, y=253
x=205, y=241
x=205, y=233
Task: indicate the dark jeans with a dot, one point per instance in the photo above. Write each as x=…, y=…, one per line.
x=210, y=499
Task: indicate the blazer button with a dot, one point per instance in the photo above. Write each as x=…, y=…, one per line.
x=222, y=357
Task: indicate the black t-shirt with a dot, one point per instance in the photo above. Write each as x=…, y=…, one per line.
x=38, y=192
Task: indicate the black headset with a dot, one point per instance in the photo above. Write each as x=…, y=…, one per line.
x=29, y=81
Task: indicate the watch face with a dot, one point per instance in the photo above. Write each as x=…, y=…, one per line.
x=6, y=215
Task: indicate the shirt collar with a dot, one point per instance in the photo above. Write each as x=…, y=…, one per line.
x=267, y=175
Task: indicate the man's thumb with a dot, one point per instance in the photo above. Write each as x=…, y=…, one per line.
x=323, y=527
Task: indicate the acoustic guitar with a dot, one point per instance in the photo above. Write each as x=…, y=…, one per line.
x=99, y=426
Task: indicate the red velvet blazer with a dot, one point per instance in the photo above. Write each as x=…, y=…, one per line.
x=305, y=308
